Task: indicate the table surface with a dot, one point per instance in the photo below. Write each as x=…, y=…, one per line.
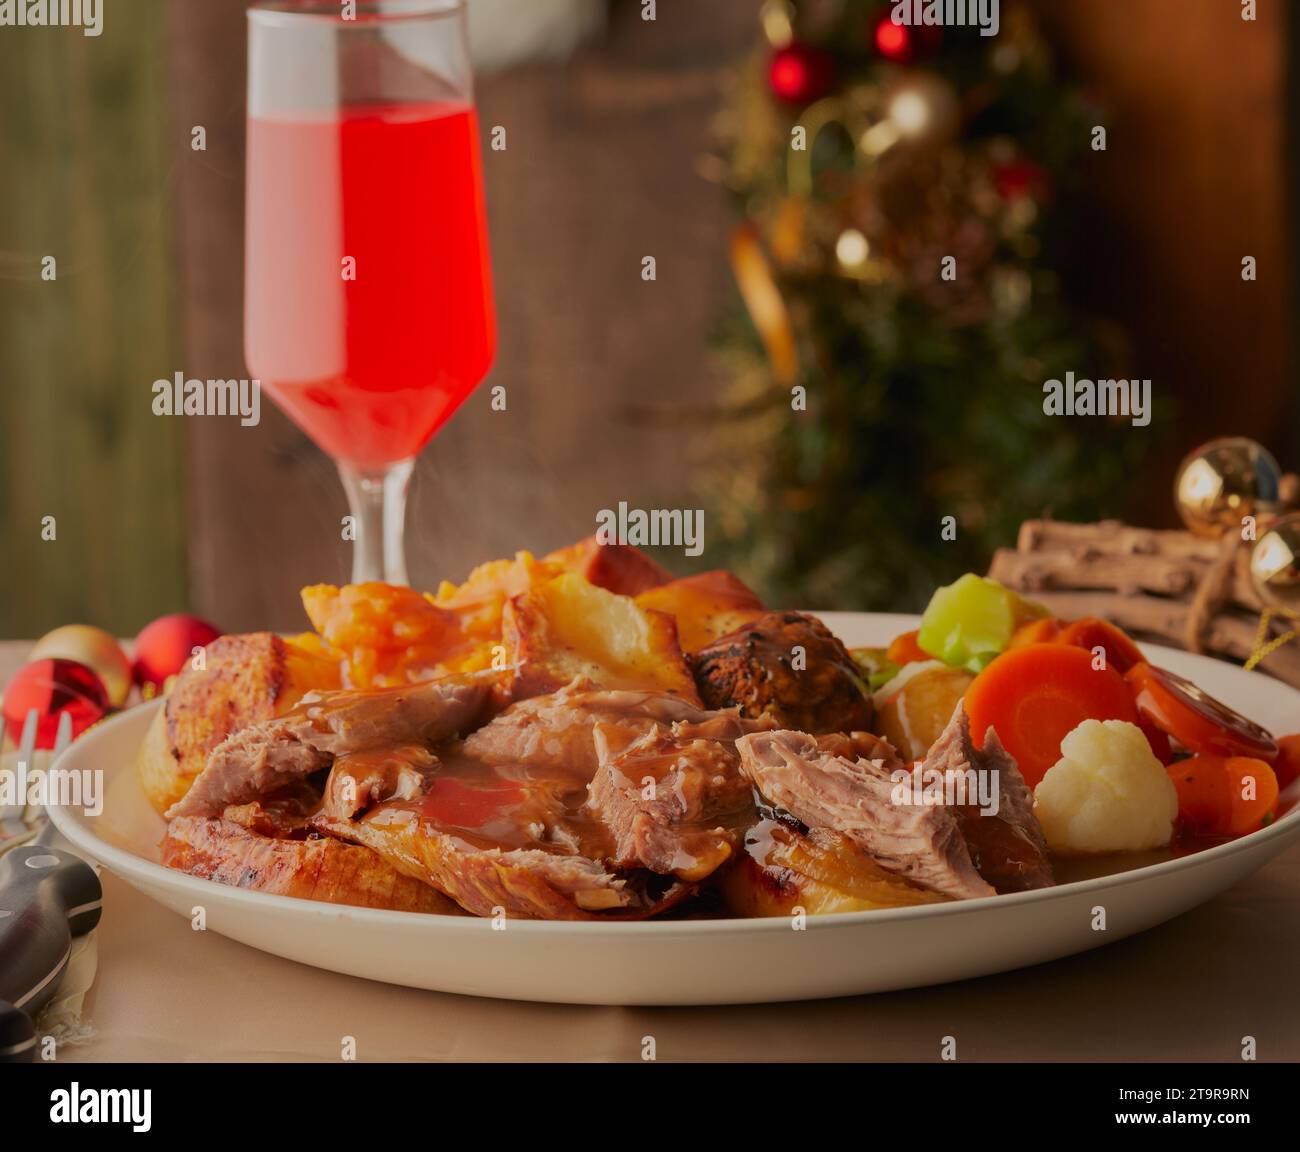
x=1188, y=990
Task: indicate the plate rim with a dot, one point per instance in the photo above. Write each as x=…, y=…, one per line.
x=126, y=863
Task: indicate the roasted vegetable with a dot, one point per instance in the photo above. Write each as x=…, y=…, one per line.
x=913, y=715
x=783, y=867
x=705, y=606
x=245, y=679
x=617, y=568
x=568, y=628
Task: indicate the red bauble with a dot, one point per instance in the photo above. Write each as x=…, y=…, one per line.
x=801, y=73
x=166, y=645
x=903, y=42
x=1020, y=178
x=893, y=41
x=53, y=687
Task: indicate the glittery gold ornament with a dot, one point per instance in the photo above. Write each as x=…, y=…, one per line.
x=1275, y=566
x=1222, y=482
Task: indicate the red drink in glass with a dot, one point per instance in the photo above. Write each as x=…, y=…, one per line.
x=368, y=312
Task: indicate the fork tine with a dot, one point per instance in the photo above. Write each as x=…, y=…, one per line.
x=27, y=747
x=2, y=733
x=64, y=736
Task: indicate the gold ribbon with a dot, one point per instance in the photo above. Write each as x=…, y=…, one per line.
x=1264, y=647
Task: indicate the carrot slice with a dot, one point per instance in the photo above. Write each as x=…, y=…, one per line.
x=1092, y=632
x=1254, y=794
x=1161, y=747
x=1224, y=795
x=1195, y=718
x=904, y=649
x=1035, y=696
x=1043, y=631
x=1287, y=765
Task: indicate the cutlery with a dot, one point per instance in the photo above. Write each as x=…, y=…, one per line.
x=47, y=896
x=12, y=825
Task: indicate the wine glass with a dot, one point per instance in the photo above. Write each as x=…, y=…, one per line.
x=368, y=309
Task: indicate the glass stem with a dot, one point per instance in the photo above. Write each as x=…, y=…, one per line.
x=377, y=498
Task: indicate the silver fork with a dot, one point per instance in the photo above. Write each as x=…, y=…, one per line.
x=48, y=834
x=11, y=815
x=12, y=824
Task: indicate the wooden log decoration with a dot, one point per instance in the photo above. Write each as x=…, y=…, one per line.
x=1166, y=586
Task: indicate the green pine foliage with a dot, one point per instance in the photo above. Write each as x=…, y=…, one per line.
x=924, y=398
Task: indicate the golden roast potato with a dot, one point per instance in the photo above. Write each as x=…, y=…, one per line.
x=245, y=679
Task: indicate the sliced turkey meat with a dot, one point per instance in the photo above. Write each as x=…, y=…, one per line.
x=266, y=756
x=1007, y=846
x=529, y=883
x=858, y=797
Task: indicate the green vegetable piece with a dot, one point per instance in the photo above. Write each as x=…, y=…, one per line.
x=969, y=622
x=876, y=665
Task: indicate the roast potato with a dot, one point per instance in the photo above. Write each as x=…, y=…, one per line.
x=314, y=868
x=783, y=867
x=568, y=627
x=705, y=606
x=789, y=666
x=913, y=716
x=245, y=679
x=617, y=568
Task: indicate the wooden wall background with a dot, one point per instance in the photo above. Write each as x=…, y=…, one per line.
x=83, y=178
x=1194, y=178
x=601, y=170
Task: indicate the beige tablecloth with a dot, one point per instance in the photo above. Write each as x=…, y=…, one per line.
x=1188, y=990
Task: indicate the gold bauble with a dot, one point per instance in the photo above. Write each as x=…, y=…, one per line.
x=1222, y=482
x=96, y=649
x=1275, y=566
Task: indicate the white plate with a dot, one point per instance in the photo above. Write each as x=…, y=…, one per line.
x=688, y=962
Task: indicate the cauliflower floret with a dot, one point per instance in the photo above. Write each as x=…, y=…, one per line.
x=1107, y=793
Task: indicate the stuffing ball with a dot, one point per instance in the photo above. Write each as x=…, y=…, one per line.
x=789, y=666
x=1107, y=793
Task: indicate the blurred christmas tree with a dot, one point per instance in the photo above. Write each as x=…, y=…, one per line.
x=903, y=191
